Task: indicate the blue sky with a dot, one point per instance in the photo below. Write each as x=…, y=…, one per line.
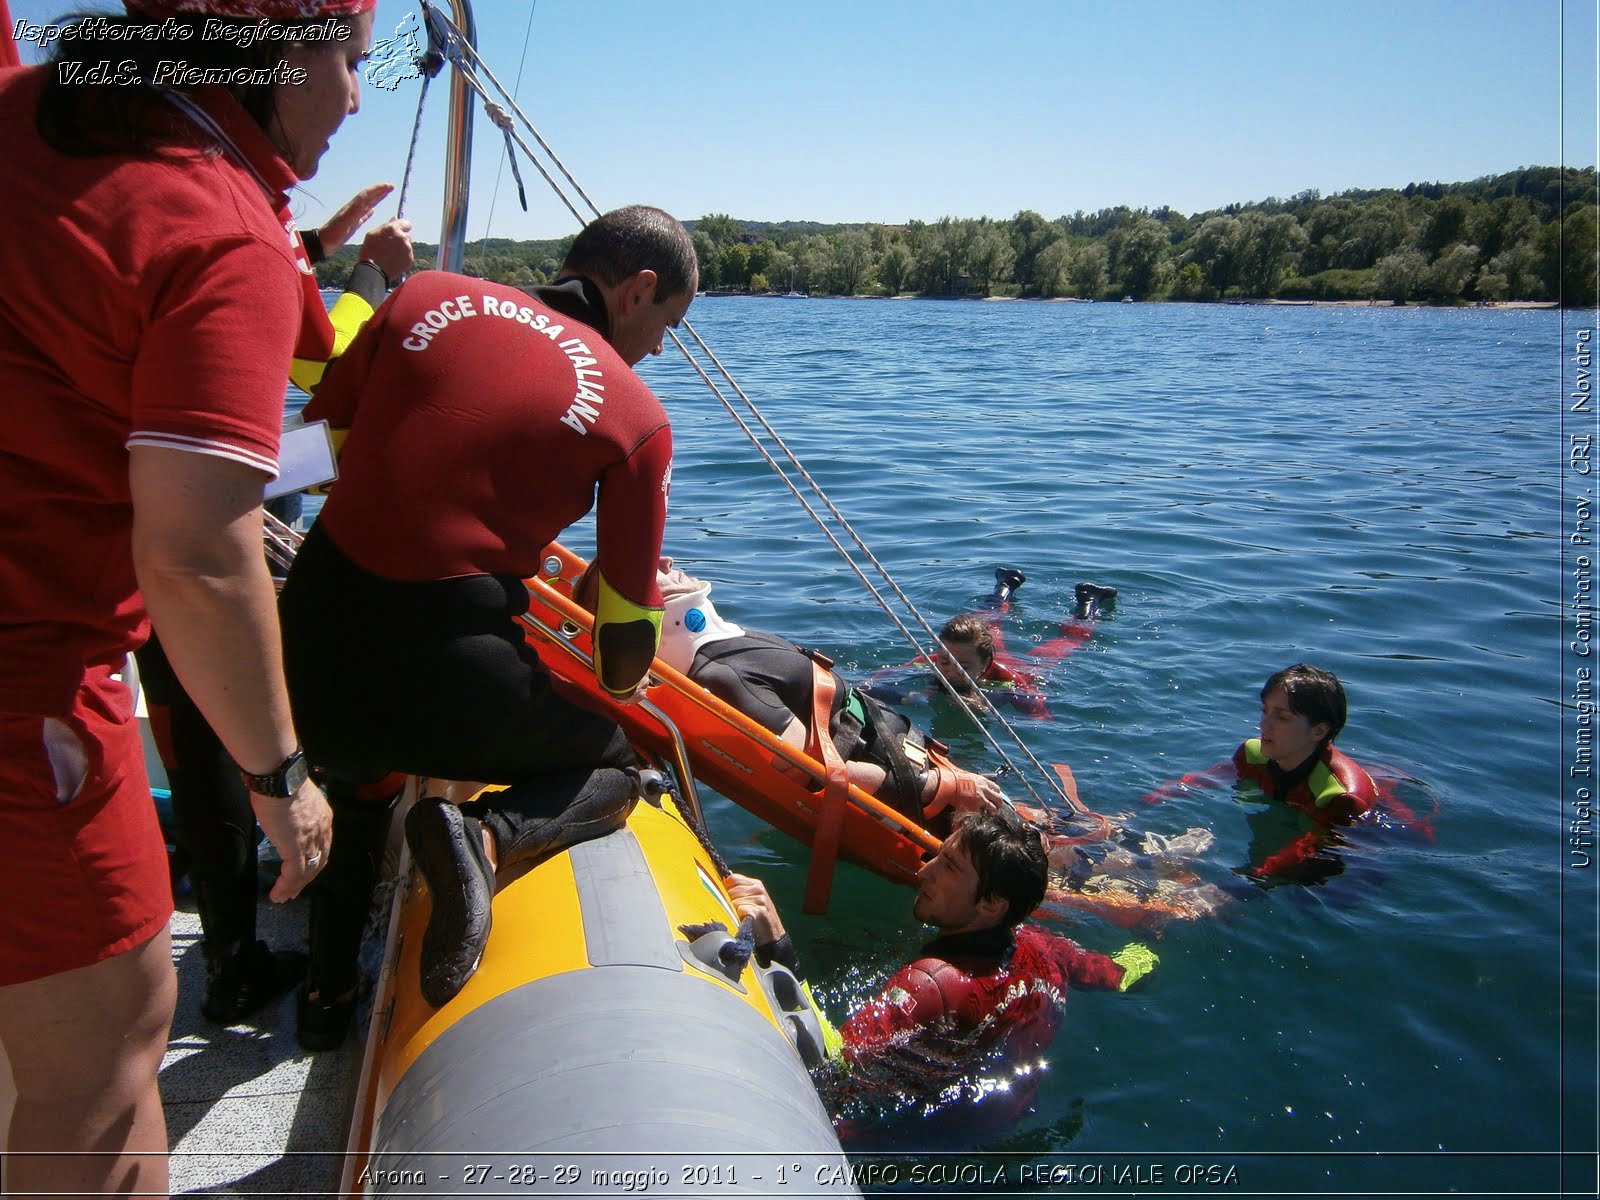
x=888, y=110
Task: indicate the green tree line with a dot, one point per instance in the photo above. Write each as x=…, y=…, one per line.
x=1529, y=234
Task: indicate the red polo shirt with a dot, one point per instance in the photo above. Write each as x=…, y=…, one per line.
x=148, y=301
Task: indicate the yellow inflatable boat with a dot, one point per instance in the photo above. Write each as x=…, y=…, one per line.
x=605, y=1045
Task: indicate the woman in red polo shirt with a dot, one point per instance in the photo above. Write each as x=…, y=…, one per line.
x=154, y=297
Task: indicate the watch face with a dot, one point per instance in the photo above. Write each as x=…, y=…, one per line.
x=285, y=781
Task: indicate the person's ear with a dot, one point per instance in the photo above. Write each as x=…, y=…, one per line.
x=639, y=290
x=992, y=909
x=1321, y=730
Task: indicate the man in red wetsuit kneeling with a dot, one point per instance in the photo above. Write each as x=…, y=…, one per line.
x=483, y=420
x=985, y=997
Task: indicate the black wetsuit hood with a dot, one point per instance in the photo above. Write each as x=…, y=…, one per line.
x=995, y=943
x=1283, y=782
x=577, y=298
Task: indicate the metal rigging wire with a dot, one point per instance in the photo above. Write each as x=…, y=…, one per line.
x=465, y=58
x=494, y=196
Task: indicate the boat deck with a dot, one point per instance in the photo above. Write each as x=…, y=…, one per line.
x=248, y=1112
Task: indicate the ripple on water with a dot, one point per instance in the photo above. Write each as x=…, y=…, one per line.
x=1374, y=490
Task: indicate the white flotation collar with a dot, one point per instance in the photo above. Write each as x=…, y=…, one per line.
x=690, y=621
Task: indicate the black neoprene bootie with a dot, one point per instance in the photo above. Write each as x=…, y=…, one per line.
x=448, y=849
x=1006, y=581
x=650, y=784
x=238, y=984
x=1093, y=599
x=322, y=1024
x=546, y=824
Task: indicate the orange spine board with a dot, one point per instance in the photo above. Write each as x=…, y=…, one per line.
x=741, y=759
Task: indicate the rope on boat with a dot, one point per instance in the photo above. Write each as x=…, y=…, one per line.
x=502, y=121
x=494, y=196
x=465, y=58
x=411, y=154
x=428, y=63
x=697, y=825
x=866, y=551
x=733, y=953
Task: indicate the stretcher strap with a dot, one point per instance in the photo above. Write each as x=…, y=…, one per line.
x=835, y=792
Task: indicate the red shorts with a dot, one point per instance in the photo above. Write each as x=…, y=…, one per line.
x=83, y=865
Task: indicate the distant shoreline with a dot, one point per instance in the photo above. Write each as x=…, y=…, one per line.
x=1496, y=304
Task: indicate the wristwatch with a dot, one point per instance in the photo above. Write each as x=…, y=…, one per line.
x=282, y=782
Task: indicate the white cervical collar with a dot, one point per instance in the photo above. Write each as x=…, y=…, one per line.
x=689, y=622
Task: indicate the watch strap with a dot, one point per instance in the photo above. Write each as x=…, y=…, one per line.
x=282, y=782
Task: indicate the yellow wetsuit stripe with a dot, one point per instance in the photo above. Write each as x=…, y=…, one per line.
x=626, y=635
x=349, y=313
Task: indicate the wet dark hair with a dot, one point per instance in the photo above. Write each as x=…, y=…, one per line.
x=1313, y=693
x=1009, y=859
x=625, y=241
x=128, y=115
x=973, y=630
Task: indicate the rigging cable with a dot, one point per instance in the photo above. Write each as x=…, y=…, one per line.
x=428, y=64
x=465, y=58
x=494, y=196
x=411, y=154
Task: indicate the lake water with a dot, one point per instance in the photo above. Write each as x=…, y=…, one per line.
x=1383, y=492
x=1387, y=493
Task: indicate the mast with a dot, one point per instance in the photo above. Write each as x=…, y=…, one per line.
x=458, y=154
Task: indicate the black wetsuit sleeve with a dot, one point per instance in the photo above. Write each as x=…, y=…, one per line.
x=782, y=952
x=368, y=281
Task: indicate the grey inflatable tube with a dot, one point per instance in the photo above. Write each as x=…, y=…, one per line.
x=638, y=1075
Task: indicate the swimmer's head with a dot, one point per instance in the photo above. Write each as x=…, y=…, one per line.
x=968, y=642
x=1312, y=693
x=1302, y=711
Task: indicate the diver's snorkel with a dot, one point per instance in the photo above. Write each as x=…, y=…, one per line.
x=1006, y=581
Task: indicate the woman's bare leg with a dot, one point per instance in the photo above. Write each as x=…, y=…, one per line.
x=85, y=1048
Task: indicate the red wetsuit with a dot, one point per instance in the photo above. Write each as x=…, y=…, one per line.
x=1020, y=687
x=992, y=991
x=975, y=1005
x=149, y=301
x=483, y=421
x=1007, y=670
x=1328, y=788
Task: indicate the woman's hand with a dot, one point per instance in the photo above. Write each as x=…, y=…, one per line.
x=340, y=227
x=388, y=247
x=301, y=829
